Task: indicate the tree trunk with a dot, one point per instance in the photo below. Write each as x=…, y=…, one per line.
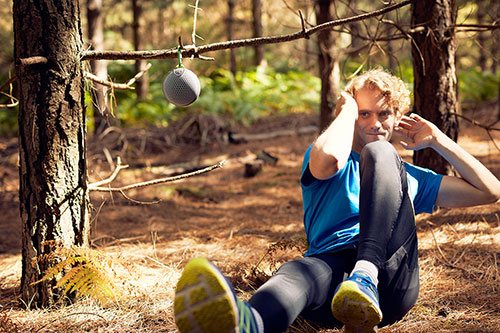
x=355, y=29
x=392, y=61
x=328, y=65
x=495, y=43
x=257, y=31
x=142, y=84
x=230, y=35
x=435, y=79
x=53, y=194
x=99, y=67
x=481, y=38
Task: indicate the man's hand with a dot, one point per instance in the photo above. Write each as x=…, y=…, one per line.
x=331, y=149
x=345, y=100
x=476, y=186
x=420, y=133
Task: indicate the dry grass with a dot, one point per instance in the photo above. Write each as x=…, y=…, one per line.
x=234, y=221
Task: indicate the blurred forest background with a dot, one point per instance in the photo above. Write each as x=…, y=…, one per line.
x=246, y=225
x=287, y=78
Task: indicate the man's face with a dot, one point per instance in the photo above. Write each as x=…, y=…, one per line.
x=375, y=120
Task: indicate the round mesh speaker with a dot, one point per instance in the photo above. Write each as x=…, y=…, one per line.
x=181, y=86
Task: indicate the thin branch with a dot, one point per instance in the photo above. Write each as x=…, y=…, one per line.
x=493, y=140
x=138, y=75
x=33, y=61
x=488, y=128
x=137, y=201
x=14, y=101
x=408, y=36
x=475, y=123
x=446, y=261
x=112, y=177
x=479, y=27
x=193, y=36
x=303, y=23
x=113, y=85
x=71, y=314
x=172, y=53
x=157, y=181
x=9, y=82
x=123, y=86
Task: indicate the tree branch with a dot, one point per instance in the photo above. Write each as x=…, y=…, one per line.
x=9, y=82
x=477, y=27
x=475, y=123
x=488, y=128
x=33, y=61
x=156, y=181
x=123, y=86
x=112, y=177
x=191, y=50
x=13, y=101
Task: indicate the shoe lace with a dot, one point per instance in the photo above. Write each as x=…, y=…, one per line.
x=247, y=322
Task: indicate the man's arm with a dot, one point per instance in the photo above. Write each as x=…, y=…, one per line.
x=331, y=149
x=477, y=186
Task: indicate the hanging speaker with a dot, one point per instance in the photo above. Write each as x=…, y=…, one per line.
x=181, y=86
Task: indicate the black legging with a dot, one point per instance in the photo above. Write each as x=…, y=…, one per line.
x=387, y=239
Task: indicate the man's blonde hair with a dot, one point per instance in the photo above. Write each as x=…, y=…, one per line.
x=395, y=91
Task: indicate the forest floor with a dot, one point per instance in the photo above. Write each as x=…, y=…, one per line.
x=247, y=226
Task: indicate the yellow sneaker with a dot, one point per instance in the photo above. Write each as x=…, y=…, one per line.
x=206, y=302
x=356, y=304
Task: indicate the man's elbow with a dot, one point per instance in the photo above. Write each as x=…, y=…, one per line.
x=324, y=168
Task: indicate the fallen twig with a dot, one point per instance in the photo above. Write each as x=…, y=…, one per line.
x=71, y=314
x=447, y=262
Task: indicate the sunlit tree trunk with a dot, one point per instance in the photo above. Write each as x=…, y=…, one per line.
x=230, y=36
x=481, y=38
x=98, y=67
x=142, y=84
x=328, y=60
x=257, y=31
x=435, y=78
x=53, y=194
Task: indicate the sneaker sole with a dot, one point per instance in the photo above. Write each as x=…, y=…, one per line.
x=203, y=300
x=355, y=309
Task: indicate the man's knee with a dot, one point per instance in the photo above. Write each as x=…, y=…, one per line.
x=378, y=151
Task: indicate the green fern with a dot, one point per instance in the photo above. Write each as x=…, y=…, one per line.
x=84, y=271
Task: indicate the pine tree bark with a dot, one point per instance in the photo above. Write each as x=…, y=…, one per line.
x=233, y=67
x=435, y=78
x=53, y=194
x=329, y=70
x=481, y=38
x=98, y=67
x=257, y=31
x=142, y=84
x=495, y=44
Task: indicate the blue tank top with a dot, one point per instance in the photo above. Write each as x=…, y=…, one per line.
x=333, y=226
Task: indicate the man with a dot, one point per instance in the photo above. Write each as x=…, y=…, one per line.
x=360, y=201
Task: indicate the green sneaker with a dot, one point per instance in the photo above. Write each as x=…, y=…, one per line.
x=206, y=302
x=356, y=304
